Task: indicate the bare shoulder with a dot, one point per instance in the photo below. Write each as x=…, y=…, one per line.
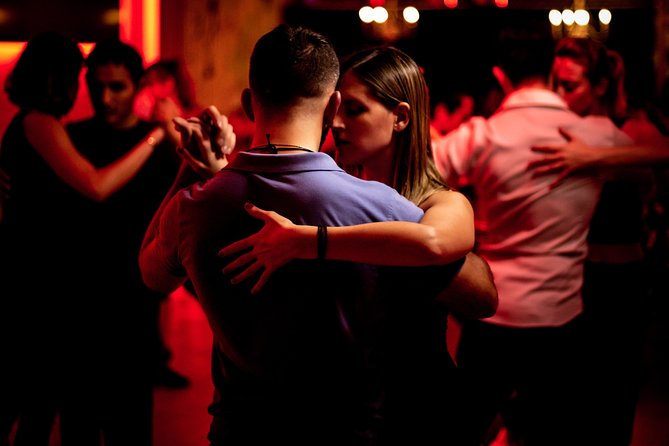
x=36, y=119
x=446, y=198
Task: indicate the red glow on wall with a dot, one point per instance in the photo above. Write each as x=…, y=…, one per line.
x=451, y=3
x=139, y=26
x=9, y=53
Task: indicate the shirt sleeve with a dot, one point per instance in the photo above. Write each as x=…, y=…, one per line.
x=454, y=153
x=160, y=262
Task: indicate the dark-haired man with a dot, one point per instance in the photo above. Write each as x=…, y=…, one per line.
x=113, y=393
x=296, y=362
x=534, y=238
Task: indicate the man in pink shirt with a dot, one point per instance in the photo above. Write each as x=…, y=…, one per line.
x=534, y=238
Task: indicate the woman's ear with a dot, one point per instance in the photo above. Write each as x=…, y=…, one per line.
x=247, y=103
x=402, y=113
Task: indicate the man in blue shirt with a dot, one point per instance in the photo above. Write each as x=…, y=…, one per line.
x=295, y=362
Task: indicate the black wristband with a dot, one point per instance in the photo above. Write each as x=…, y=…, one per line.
x=322, y=241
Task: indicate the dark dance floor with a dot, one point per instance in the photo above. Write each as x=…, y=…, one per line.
x=181, y=417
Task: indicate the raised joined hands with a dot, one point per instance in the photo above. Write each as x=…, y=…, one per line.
x=206, y=141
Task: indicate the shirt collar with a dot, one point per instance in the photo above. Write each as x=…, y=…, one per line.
x=533, y=97
x=262, y=162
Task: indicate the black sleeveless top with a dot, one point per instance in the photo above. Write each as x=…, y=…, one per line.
x=34, y=231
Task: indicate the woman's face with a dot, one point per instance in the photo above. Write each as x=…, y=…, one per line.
x=570, y=82
x=363, y=127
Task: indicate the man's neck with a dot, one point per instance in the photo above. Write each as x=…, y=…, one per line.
x=285, y=135
x=299, y=124
x=532, y=83
x=129, y=122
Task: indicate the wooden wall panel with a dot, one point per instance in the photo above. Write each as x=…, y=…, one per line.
x=218, y=38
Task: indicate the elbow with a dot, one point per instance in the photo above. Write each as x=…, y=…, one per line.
x=440, y=252
x=156, y=280
x=482, y=304
x=479, y=299
x=434, y=252
x=488, y=299
x=489, y=304
x=158, y=285
x=150, y=280
x=94, y=195
x=93, y=191
x=99, y=193
x=98, y=197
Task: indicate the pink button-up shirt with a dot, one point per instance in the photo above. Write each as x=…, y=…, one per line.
x=533, y=237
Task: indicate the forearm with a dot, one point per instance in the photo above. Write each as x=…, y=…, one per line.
x=185, y=177
x=388, y=243
x=155, y=273
x=114, y=176
x=49, y=138
x=642, y=156
x=444, y=234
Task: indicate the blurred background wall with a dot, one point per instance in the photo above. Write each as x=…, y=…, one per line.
x=452, y=40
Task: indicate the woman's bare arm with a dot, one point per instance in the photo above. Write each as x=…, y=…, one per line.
x=444, y=234
x=575, y=156
x=51, y=141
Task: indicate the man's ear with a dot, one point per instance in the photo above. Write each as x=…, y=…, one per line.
x=503, y=80
x=247, y=103
x=331, y=108
x=402, y=113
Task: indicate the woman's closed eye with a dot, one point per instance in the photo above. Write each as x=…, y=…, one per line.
x=353, y=109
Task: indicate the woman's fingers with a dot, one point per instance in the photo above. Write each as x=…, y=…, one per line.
x=246, y=273
x=264, y=277
x=258, y=213
x=237, y=246
x=566, y=134
x=240, y=262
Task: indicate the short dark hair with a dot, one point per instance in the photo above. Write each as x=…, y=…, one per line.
x=525, y=51
x=113, y=51
x=289, y=63
x=46, y=75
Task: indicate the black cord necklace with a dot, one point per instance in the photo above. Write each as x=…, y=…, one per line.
x=274, y=148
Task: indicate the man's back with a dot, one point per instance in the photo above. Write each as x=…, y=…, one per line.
x=304, y=361
x=532, y=235
x=300, y=349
